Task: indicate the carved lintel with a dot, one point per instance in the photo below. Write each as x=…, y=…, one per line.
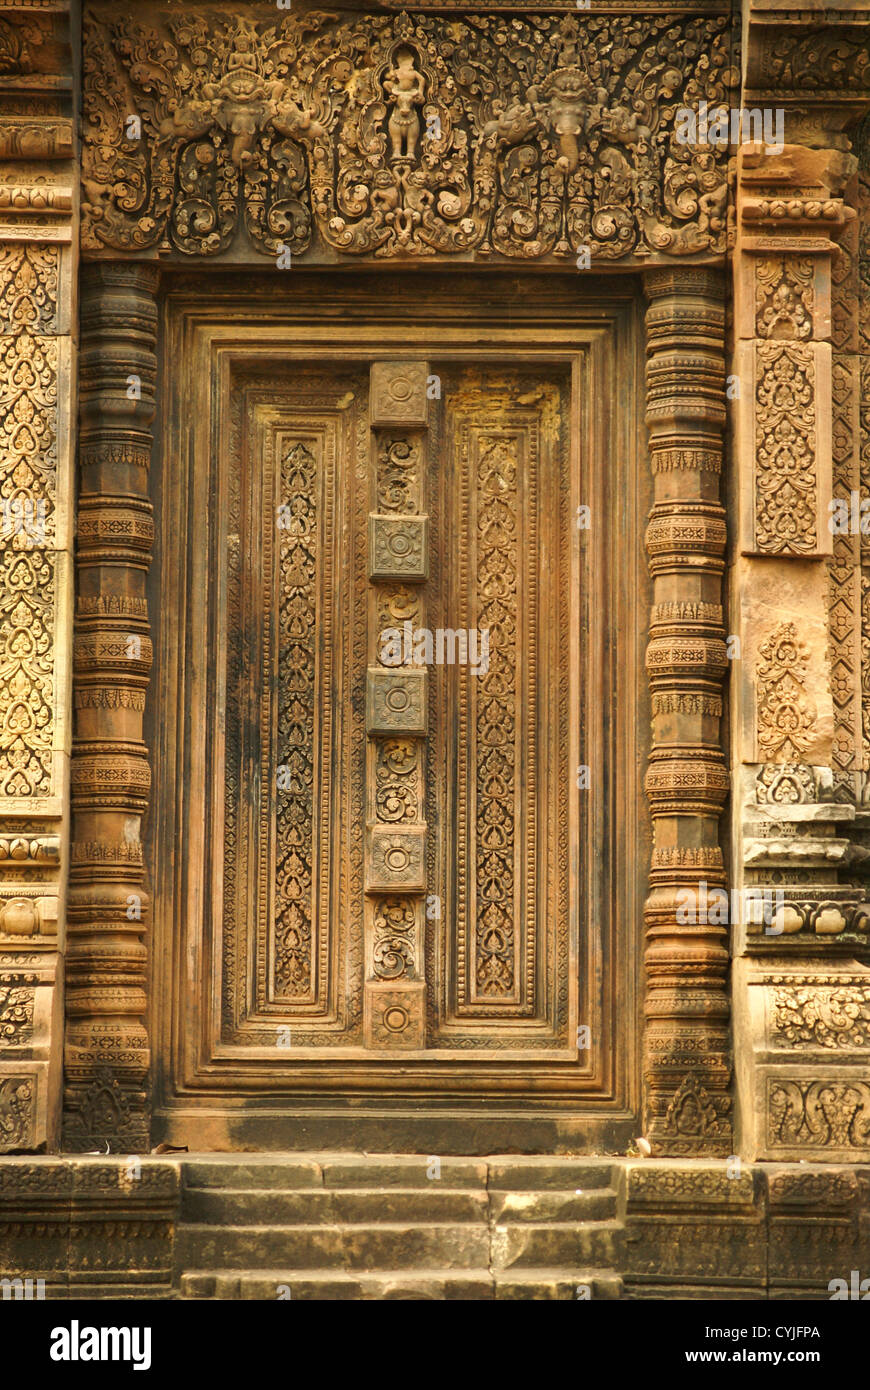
x=808, y=57
x=512, y=136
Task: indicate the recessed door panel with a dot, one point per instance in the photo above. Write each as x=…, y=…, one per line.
x=395, y=776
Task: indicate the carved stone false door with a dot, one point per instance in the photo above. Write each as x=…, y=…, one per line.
x=399, y=880
x=387, y=891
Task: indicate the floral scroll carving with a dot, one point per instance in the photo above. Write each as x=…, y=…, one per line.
x=395, y=926
x=784, y=297
x=296, y=716
x=28, y=406
x=834, y=1017
x=393, y=135
x=497, y=539
x=818, y=1114
x=785, y=446
x=786, y=714
x=17, y=1106
x=16, y=1009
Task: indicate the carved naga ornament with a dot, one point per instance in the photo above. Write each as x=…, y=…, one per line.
x=390, y=135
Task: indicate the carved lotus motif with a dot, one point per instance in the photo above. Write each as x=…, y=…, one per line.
x=18, y=917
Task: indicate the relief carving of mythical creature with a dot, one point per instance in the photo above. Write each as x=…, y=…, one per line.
x=392, y=135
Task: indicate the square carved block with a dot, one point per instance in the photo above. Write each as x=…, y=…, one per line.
x=396, y=701
x=394, y=1015
x=398, y=393
x=395, y=858
x=398, y=547
x=23, y=1105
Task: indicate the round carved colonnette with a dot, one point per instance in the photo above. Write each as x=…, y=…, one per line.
x=106, y=1055
x=686, y=1054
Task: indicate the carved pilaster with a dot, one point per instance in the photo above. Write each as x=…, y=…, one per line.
x=800, y=982
x=37, y=312
x=686, y=1066
x=106, y=1058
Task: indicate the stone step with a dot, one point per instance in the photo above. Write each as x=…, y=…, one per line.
x=554, y=1244
x=257, y=1172
x=253, y=1171
x=598, y=1204
x=446, y=1245
x=335, y=1284
x=269, y=1207
x=559, y=1284
x=539, y=1173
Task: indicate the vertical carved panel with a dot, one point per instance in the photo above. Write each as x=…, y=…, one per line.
x=396, y=716
x=502, y=697
x=792, y=450
x=496, y=969
x=844, y=567
x=862, y=366
x=686, y=1060
x=107, y=1055
x=797, y=582
x=37, y=314
x=297, y=713
x=28, y=516
x=293, y=474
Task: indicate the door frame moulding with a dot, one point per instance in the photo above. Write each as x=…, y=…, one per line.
x=686, y=1074
x=259, y=1108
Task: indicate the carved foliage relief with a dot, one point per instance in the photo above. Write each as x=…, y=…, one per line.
x=509, y=478
x=786, y=712
x=818, y=1114
x=833, y=1017
x=393, y=135
x=785, y=446
x=28, y=467
x=863, y=391
x=496, y=717
x=292, y=890
x=296, y=719
x=844, y=566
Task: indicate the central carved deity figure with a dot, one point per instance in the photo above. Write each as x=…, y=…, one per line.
x=405, y=85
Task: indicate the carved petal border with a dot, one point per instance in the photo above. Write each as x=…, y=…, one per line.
x=210, y=133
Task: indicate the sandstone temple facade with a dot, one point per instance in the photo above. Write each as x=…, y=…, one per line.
x=537, y=336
